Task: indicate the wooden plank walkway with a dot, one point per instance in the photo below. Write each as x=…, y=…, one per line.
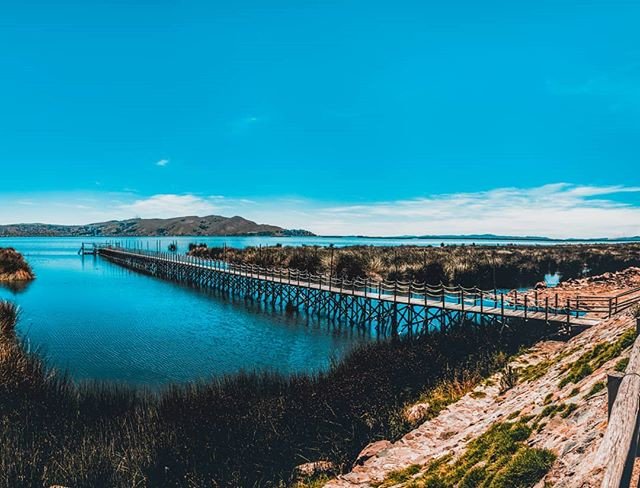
x=447, y=299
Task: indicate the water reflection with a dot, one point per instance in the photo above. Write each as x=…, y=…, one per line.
x=16, y=286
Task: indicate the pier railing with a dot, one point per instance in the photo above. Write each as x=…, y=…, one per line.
x=542, y=305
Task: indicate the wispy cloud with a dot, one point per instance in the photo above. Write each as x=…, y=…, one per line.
x=162, y=162
x=167, y=205
x=555, y=210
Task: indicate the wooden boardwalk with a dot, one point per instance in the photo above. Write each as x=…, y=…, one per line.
x=393, y=306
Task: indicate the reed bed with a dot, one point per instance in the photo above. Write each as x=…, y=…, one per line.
x=467, y=265
x=249, y=429
x=13, y=266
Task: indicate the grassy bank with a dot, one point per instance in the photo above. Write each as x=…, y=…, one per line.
x=13, y=266
x=241, y=430
x=483, y=266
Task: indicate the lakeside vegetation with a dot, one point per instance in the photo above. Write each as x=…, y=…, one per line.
x=468, y=265
x=249, y=429
x=13, y=266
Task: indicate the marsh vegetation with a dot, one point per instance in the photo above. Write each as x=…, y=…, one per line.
x=249, y=429
x=483, y=266
x=13, y=266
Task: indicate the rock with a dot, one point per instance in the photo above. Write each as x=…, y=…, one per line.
x=372, y=450
x=415, y=413
x=313, y=468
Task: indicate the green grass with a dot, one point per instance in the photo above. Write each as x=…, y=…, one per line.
x=595, y=389
x=499, y=458
x=398, y=476
x=621, y=365
x=536, y=371
x=568, y=410
x=551, y=410
x=593, y=359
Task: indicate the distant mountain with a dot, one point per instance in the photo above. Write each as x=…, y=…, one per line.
x=493, y=237
x=212, y=225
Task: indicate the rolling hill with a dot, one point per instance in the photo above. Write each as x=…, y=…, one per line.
x=212, y=225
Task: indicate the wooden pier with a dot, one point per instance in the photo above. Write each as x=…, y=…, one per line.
x=389, y=307
x=88, y=249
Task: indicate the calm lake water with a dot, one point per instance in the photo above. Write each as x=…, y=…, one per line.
x=99, y=321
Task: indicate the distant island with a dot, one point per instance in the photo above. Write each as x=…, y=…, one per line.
x=212, y=225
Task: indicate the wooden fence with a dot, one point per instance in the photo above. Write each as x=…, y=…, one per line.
x=619, y=447
x=576, y=310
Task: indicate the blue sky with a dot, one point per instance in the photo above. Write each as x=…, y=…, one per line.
x=341, y=117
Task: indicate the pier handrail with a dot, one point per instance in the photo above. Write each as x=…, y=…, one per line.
x=527, y=302
x=619, y=447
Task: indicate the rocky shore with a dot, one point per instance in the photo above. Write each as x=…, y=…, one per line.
x=556, y=391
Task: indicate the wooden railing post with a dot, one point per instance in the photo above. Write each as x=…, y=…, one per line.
x=546, y=309
x=613, y=384
x=610, y=302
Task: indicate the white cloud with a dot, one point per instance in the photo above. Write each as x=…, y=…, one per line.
x=167, y=205
x=162, y=162
x=554, y=210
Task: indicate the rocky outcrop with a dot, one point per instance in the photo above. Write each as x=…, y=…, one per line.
x=570, y=411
